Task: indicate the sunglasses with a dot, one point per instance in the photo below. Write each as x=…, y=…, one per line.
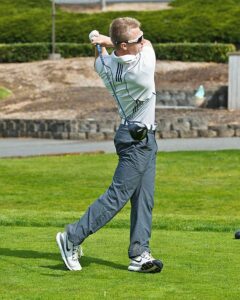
x=138, y=40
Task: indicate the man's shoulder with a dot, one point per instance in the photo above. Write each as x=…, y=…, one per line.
x=99, y=64
x=148, y=55
x=148, y=49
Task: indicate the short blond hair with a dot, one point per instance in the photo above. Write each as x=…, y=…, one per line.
x=120, y=28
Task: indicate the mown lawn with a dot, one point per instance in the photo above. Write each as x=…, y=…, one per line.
x=195, y=215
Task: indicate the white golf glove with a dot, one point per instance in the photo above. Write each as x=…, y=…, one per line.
x=93, y=34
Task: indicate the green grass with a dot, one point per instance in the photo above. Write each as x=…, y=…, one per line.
x=195, y=215
x=4, y=93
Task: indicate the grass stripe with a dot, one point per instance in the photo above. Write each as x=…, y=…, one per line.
x=160, y=221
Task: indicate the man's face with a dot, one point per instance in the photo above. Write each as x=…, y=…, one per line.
x=135, y=43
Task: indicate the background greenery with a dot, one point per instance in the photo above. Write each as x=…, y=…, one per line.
x=190, y=21
x=194, y=30
x=26, y=52
x=195, y=215
x=4, y=93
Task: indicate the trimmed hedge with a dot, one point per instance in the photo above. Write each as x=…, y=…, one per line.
x=180, y=51
x=194, y=52
x=74, y=50
x=24, y=52
x=40, y=51
x=204, y=21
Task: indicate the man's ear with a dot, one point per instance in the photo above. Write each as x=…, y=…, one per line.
x=123, y=46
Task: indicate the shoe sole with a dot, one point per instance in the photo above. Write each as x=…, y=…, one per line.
x=154, y=266
x=60, y=242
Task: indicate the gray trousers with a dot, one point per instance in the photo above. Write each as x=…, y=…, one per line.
x=134, y=179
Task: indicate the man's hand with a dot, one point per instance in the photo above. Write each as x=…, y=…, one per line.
x=102, y=40
x=93, y=34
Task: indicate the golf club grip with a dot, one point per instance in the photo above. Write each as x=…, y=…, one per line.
x=99, y=49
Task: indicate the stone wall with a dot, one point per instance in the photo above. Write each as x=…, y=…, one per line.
x=216, y=98
x=181, y=126
x=185, y=123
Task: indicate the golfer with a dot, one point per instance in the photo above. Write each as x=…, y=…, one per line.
x=130, y=68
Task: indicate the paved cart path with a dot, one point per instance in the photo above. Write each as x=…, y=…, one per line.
x=13, y=147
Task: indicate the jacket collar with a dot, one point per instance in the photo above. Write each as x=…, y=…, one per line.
x=127, y=59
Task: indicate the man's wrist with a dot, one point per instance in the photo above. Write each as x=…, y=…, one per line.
x=108, y=42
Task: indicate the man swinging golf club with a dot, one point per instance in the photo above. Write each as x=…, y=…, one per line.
x=128, y=74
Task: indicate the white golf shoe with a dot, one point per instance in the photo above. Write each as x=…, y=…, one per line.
x=145, y=263
x=70, y=253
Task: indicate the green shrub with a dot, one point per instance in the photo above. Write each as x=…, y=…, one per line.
x=194, y=52
x=40, y=51
x=4, y=93
x=180, y=51
x=74, y=50
x=27, y=21
x=24, y=52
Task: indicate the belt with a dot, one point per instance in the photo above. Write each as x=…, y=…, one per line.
x=151, y=128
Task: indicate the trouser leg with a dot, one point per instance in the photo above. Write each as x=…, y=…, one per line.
x=125, y=181
x=142, y=202
x=102, y=210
